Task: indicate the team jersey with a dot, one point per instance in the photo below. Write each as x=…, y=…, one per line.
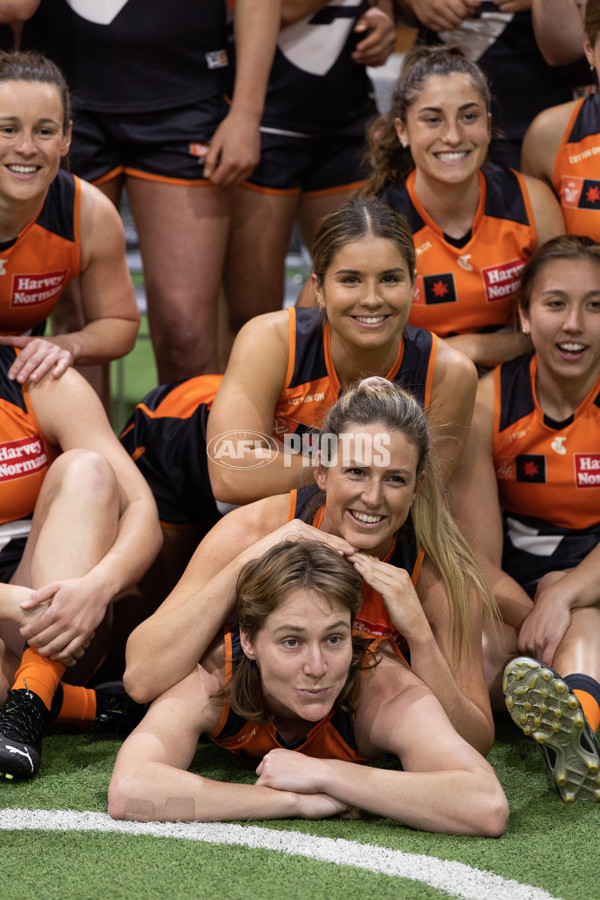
x=315, y=87
x=331, y=738
x=134, y=55
x=166, y=438
x=372, y=619
x=546, y=469
x=166, y=435
x=575, y=166
x=470, y=288
x=46, y=255
x=312, y=385
x=24, y=454
x=522, y=82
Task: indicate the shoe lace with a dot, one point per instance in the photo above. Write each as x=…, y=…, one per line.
x=21, y=718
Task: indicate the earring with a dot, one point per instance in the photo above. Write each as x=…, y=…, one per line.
x=404, y=144
x=525, y=329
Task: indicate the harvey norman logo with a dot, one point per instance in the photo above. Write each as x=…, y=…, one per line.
x=587, y=469
x=22, y=457
x=503, y=281
x=29, y=290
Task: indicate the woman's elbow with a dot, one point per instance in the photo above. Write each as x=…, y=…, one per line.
x=138, y=684
x=226, y=485
x=119, y=791
x=124, y=336
x=129, y=797
x=492, y=817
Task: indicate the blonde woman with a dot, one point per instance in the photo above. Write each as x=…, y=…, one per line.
x=378, y=502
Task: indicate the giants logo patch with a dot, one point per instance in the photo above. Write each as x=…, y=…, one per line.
x=22, y=457
x=434, y=289
x=587, y=469
x=579, y=193
x=30, y=290
x=531, y=467
x=502, y=281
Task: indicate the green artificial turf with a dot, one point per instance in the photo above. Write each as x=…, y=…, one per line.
x=547, y=844
x=132, y=377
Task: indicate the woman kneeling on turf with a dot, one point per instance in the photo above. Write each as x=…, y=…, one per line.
x=298, y=696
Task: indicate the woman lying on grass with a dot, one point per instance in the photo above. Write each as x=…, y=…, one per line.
x=293, y=693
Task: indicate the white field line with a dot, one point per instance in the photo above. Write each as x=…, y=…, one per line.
x=455, y=878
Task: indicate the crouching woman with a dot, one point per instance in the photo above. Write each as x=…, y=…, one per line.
x=293, y=692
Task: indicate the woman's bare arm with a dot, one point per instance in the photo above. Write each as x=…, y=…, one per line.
x=444, y=785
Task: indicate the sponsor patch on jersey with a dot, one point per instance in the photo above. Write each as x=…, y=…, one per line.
x=198, y=149
x=22, y=457
x=531, y=467
x=579, y=193
x=502, y=281
x=29, y=290
x=236, y=739
x=587, y=469
x=437, y=288
x=590, y=194
x=216, y=59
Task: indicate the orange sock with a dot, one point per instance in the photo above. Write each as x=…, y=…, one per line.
x=587, y=691
x=78, y=706
x=590, y=708
x=39, y=674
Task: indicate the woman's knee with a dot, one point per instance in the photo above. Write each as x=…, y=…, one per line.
x=84, y=474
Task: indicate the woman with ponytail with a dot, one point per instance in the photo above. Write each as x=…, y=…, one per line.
x=474, y=223
x=378, y=502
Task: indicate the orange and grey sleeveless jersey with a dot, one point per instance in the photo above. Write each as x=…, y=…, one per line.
x=470, y=288
x=312, y=386
x=24, y=454
x=166, y=438
x=545, y=469
x=166, y=435
x=372, y=619
x=331, y=738
x=46, y=255
x=576, y=175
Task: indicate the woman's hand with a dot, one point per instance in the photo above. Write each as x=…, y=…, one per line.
x=380, y=38
x=297, y=530
x=38, y=356
x=287, y=770
x=64, y=630
x=401, y=600
x=547, y=623
x=443, y=15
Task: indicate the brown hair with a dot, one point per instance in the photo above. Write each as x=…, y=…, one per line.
x=591, y=20
x=360, y=217
x=388, y=161
x=34, y=67
x=565, y=246
x=262, y=585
